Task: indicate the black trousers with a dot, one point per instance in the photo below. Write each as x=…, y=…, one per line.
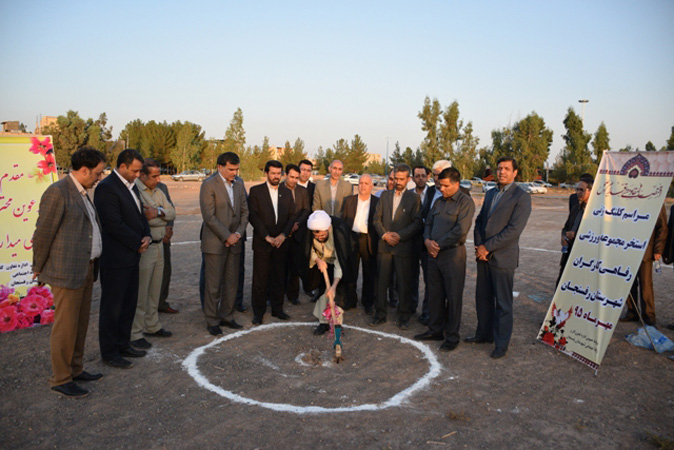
x=386, y=264
x=269, y=275
x=494, y=304
x=119, y=297
x=414, y=301
x=166, y=278
x=292, y=288
x=446, y=279
x=368, y=293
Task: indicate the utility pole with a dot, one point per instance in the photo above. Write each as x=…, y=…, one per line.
x=582, y=117
x=387, y=161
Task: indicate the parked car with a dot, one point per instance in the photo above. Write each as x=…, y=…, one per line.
x=466, y=184
x=477, y=180
x=567, y=185
x=488, y=185
x=352, y=178
x=542, y=183
x=189, y=175
x=533, y=188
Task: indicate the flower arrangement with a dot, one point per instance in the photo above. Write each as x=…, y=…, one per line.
x=35, y=308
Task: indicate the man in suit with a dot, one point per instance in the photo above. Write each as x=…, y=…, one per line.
x=392, y=293
x=358, y=213
x=158, y=212
x=573, y=198
x=224, y=209
x=272, y=216
x=426, y=194
x=302, y=209
x=306, y=167
x=164, y=306
x=668, y=255
x=327, y=246
x=445, y=233
x=498, y=227
x=642, y=288
x=126, y=235
x=570, y=228
x=329, y=194
x=66, y=245
x=397, y=221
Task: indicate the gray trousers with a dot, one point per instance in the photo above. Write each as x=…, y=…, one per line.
x=221, y=279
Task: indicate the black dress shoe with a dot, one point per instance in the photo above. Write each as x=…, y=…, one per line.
x=281, y=315
x=214, y=330
x=369, y=310
x=321, y=329
x=404, y=324
x=429, y=336
x=316, y=296
x=498, y=353
x=132, y=353
x=241, y=308
x=230, y=324
x=257, y=320
x=477, y=340
x=448, y=346
x=376, y=321
x=70, y=390
x=393, y=304
x=294, y=301
x=118, y=362
x=631, y=316
x=160, y=333
x=649, y=320
x=141, y=343
x=86, y=376
x=424, y=319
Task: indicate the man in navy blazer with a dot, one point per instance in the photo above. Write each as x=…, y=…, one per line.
x=498, y=227
x=272, y=214
x=302, y=210
x=126, y=234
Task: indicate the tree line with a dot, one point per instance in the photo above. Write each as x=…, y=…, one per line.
x=180, y=145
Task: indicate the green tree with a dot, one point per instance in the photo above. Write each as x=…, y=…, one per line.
x=376, y=167
x=321, y=161
x=132, y=134
x=190, y=143
x=531, y=141
x=465, y=159
x=650, y=147
x=356, y=156
x=158, y=140
x=575, y=157
x=235, y=136
x=600, y=143
x=340, y=151
x=397, y=156
x=430, y=116
x=293, y=154
x=670, y=141
x=70, y=132
x=449, y=133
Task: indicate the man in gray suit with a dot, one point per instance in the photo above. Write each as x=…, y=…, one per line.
x=330, y=194
x=498, y=227
x=397, y=220
x=225, y=212
x=66, y=244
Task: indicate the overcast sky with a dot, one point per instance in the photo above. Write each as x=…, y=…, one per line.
x=323, y=71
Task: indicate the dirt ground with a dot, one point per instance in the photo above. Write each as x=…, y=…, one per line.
x=535, y=397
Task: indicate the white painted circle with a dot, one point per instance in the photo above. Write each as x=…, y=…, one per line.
x=190, y=364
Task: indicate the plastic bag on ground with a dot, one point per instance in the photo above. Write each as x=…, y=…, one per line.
x=640, y=339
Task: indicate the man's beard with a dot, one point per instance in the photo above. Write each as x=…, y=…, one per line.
x=274, y=182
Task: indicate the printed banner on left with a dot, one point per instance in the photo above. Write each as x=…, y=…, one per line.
x=27, y=168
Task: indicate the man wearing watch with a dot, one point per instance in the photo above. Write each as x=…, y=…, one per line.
x=224, y=209
x=158, y=211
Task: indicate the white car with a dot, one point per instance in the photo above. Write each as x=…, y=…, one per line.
x=533, y=188
x=477, y=180
x=488, y=185
x=352, y=178
x=189, y=175
x=542, y=183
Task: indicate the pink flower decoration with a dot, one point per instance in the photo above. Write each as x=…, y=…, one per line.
x=47, y=317
x=44, y=292
x=47, y=165
x=5, y=291
x=32, y=305
x=40, y=147
x=24, y=321
x=8, y=318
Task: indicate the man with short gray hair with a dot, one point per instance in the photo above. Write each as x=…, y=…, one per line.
x=329, y=194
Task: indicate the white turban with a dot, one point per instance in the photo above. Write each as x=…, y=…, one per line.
x=319, y=221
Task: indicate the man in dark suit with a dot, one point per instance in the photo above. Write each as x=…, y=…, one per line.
x=66, y=245
x=272, y=216
x=358, y=213
x=498, y=227
x=573, y=198
x=306, y=167
x=225, y=212
x=397, y=221
x=126, y=234
x=642, y=288
x=329, y=194
x=445, y=233
x=164, y=306
x=302, y=210
x=426, y=194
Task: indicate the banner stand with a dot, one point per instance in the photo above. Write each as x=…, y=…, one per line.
x=641, y=319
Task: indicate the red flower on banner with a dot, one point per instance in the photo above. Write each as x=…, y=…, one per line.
x=47, y=317
x=5, y=291
x=47, y=165
x=40, y=147
x=549, y=338
x=32, y=305
x=44, y=292
x=8, y=318
x=24, y=321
